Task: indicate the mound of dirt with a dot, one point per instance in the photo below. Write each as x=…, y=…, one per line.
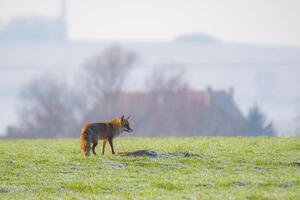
x=154, y=154
x=141, y=153
x=296, y=163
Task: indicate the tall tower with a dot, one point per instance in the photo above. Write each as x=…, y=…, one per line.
x=63, y=11
x=63, y=19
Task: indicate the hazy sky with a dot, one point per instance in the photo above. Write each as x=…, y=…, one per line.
x=248, y=21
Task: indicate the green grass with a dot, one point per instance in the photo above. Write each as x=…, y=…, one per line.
x=226, y=168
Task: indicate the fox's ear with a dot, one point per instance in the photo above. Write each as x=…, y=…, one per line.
x=122, y=118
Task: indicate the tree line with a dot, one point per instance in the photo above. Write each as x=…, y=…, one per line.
x=55, y=107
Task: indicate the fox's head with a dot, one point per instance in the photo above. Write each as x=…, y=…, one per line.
x=125, y=124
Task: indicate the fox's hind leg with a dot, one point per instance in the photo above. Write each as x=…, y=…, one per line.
x=94, y=146
x=88, y=144
x=103, y=146
x=88, y=148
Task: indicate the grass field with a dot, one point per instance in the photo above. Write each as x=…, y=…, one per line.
x=224, y=168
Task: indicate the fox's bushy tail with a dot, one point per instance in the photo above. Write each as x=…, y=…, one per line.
x=83, y=141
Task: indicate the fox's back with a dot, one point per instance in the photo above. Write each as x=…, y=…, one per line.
x=102, y=130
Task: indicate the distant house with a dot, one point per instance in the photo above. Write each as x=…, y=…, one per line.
x=187, y=112
x=36, y=29
x=179, y=113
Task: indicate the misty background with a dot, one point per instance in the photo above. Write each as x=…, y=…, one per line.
x=196, y=68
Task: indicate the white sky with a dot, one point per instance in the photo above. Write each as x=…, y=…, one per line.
x=248, y=21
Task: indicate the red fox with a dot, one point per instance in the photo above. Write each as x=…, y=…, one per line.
x=105, y=131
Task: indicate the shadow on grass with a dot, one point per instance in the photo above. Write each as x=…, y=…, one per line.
x=153, y=154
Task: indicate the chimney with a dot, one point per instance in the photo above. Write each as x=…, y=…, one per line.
x=231, y=92
x=208, y=96
x=63, y=19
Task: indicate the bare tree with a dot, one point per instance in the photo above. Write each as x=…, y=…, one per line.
x=105, y=75
x=166, y=79
x=107, y=72
x=47, y=109
x=50, y=107
x=165, y=103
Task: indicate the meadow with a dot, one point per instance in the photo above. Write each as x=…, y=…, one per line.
x=187, y=168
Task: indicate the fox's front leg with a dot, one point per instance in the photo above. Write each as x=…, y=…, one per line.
x=111, y=145
x=103, y=146
x=93, y=147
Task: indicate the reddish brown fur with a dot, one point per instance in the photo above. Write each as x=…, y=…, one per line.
x=82, y=139
x=105, y=131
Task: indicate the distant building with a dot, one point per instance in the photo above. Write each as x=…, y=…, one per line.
x=188, y=112
x=36, y=29
x=197, y=38
x=174, y=113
